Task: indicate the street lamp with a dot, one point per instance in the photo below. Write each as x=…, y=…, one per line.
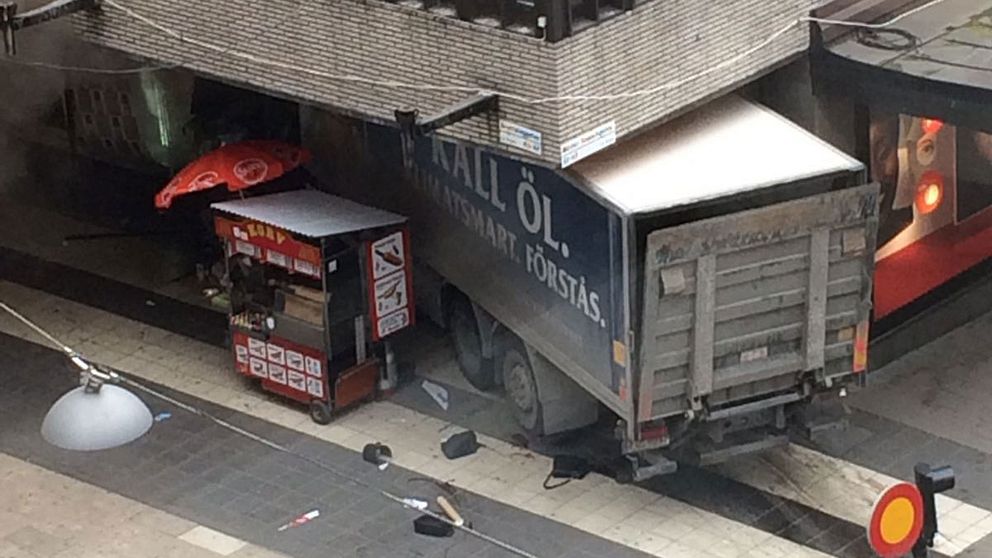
x=96, y=415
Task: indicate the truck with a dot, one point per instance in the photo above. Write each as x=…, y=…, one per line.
x=705, y=285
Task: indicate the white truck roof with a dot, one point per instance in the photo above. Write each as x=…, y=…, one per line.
x=726, y=147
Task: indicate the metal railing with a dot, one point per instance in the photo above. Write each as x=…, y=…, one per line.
x=552, y=20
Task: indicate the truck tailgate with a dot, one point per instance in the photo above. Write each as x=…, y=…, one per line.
x=735, y=307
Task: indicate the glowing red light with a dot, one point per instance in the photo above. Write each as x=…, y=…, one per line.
x=929, y=192
x=931, y=125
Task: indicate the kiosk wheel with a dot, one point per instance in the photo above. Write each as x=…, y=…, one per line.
x=320, y=411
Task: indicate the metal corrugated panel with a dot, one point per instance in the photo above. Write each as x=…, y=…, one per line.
x=310, y=213
x=736, y=306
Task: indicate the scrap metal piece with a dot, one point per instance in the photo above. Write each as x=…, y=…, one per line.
x=437, y=393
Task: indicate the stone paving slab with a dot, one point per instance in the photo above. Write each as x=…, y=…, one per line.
x=942, y=388
x=44, y=514
x=902, y=418
x=892, y=448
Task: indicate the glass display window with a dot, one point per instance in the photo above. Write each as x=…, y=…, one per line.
x=935, y=219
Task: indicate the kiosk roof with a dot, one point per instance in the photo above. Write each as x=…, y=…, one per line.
x=310, y=213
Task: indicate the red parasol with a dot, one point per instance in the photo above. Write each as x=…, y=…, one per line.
x=238, y=165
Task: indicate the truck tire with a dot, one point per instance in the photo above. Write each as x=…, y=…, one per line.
x=467, y=342
x=521, y=388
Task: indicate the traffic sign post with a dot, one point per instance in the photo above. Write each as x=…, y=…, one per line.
x=896, y=521
x=930, y=482
x=904, y=517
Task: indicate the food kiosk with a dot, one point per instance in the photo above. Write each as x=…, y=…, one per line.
x=317, y=284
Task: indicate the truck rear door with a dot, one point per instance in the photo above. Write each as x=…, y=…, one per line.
x=737, y=307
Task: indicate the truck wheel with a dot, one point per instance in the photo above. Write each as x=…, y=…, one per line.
x=320, y=412
x=468, y=347
x=521, y=388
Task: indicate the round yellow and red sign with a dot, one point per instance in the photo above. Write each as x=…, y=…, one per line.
x=896, y=520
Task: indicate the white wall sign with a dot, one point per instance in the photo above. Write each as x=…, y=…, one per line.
x=588, y=143
x=520, y=137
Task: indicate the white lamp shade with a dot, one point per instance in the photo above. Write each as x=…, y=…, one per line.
x=85, y=421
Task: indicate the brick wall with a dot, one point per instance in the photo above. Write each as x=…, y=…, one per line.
x=660, y=41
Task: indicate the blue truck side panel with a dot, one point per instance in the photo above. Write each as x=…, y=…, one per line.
x=537, y=252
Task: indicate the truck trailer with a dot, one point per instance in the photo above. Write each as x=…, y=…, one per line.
x=704, y=282
x=707, y=282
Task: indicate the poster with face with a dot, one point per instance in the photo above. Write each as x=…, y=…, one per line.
x=914, y=160
x=883, y=137
x=935, y=219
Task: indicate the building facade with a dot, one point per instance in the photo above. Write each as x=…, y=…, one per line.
x=915, y=96
x=892, y=97
x=650, y=60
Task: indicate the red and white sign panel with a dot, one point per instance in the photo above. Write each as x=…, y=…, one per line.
x=270, y=244
x=391, y=278
x=390, y=294
x=393, y=323
x=293, y=369
x=388, y=255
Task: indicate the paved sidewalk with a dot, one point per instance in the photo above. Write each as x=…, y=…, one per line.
x=193, y=468
x=930, y=405
x=943, y=388
x=48, y=515
x=664, y=526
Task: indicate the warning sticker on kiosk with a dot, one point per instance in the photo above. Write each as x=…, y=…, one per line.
x=393, y=323
x=390, y=294
x=290, y=368
x=390, y=273
x=388, y=255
